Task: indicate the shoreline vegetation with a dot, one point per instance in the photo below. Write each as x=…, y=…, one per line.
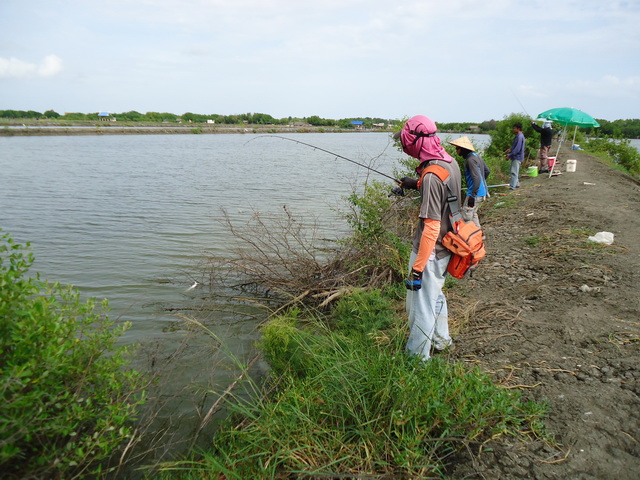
x=32, y=123
x=29, y=130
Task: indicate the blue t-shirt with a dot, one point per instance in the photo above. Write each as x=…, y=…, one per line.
x=517, y=148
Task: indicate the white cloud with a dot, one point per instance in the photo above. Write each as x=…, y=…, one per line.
x=50, y=66
x=14, y=68
x=609, y=86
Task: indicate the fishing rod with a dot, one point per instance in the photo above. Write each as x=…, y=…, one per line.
x=516, y=97
x=331, y=153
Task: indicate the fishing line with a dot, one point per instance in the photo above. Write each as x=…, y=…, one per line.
x=516, y=97
x=337, y=155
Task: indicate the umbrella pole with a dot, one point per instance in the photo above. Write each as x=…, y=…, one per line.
x=564, y=131
x=574, y=135
x=559, y=144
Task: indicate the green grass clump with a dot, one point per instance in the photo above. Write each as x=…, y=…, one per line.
x=535, y=240
x=342, y=405
x=67, y=397
x=363, y=312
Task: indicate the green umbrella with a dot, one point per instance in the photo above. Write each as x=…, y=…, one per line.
x=569, y=116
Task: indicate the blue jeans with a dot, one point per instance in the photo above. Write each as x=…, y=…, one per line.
x=515, y=171
x=427, y=309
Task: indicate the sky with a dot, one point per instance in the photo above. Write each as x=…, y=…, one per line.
x=451, y=60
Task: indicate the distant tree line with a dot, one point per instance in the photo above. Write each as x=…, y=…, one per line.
x=189, y=117
x=617, y=128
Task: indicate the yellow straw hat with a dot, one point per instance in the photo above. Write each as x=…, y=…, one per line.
x=463, y=142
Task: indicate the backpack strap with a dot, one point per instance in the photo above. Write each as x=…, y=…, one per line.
x=452, y=199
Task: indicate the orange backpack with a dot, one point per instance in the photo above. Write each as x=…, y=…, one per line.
x=465, y=240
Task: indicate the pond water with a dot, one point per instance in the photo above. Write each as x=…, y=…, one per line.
x=128, y=218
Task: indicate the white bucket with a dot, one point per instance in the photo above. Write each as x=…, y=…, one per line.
x=571, y=165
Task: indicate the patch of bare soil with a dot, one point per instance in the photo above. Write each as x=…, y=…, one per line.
x=557, y=316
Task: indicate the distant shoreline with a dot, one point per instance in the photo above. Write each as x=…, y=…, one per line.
x=197, y=129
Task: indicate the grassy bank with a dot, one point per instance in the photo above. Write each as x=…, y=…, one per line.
x=344, y=400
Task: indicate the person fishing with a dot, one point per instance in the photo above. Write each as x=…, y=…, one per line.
x=476, y=173
x=426, y=303
x=516, y=155
x=546, y=137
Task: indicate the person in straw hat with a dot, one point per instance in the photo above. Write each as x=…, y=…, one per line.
x=476, y=173
x=437, y=173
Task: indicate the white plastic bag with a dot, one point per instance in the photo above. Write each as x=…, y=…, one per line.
x=602, y=237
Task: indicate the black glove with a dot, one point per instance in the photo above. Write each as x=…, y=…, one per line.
x=471, y=201
x=408, y=182
x=414, y=282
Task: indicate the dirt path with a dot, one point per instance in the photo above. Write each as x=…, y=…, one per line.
x=558, y=316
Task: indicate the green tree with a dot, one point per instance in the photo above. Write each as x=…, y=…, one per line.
x=51, y=114
x=502, y=137
x=131, y=116
x=262, y=119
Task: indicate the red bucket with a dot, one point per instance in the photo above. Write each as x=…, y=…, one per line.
x=552, y=162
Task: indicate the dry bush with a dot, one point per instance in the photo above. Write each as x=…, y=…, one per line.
x=288, y=261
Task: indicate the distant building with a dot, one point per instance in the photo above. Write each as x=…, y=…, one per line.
x=357, y=123
x=378, y=125
x=106, y=117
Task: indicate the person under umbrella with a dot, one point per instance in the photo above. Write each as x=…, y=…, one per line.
x=546, y=137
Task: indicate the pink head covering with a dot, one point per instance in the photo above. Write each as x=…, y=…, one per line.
x=418, y=137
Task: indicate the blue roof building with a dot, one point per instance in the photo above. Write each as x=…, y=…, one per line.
x=106, y=117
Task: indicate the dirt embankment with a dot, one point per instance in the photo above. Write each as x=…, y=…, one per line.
x=162, y=129
x=558, y=317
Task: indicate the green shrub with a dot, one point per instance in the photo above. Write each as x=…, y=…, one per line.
x=367, y=221
x=620, y=151
x=363, y=312
x=381, y=232
x=502, y=138
x=283, y=344
x=66, y=399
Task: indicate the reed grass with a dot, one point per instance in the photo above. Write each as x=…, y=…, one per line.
x=344, y=399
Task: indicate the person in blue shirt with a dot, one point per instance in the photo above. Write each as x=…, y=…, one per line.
x=476, y=173
x=516, y=155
